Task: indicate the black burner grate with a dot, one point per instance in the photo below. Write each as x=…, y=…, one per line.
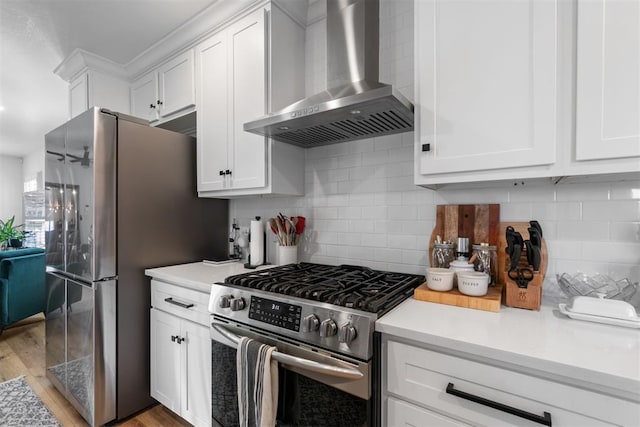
x=349, y=286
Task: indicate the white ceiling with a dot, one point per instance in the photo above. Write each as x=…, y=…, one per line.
x=36, y=35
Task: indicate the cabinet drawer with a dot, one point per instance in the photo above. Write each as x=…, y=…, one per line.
x=401, y=413
x=186, y=303
x=422, y=376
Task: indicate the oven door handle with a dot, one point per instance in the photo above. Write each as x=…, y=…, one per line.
x=298, y=362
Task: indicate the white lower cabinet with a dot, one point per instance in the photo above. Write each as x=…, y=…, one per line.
x=180, y=354
x=424, y=387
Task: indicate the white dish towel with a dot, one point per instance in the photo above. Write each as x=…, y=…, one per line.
x=257, y=384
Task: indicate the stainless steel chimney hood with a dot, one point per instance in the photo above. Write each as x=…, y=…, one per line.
x=355, y=105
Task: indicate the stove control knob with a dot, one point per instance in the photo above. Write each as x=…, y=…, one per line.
x=310, y=323
x=237, y=304
x=347, y=333
x=223, y=301
x=328, y=328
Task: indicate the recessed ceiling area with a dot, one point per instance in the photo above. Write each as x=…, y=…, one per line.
x=37, y=35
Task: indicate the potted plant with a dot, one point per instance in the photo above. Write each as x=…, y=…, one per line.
x=10, y=235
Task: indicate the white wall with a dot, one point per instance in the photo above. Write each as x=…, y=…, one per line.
x=33, y=167
x=11, y=188
x=362, y=207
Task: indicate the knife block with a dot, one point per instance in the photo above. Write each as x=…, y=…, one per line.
x=531, y=296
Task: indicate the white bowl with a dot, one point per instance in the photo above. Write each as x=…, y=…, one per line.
x=473, y=283
x=440, y=279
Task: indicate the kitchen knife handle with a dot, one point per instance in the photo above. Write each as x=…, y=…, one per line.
x=170, y=300
x=544, y=419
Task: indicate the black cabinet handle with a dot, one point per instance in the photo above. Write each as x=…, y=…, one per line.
x=545, y=419
x=159, y=102
x=178, y=303
x=177, y=338
x=227, y=172
x=152, y=106
x=222, y=173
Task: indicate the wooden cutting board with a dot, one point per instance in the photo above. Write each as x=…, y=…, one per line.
x=489, y=302
x=480, y=223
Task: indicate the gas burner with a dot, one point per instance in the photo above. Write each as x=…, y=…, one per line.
x=355, y=287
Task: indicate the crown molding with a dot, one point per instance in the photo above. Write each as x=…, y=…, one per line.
x=80, y=60
x=188, y=34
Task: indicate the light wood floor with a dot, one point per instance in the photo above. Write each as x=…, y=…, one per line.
x=22, y=353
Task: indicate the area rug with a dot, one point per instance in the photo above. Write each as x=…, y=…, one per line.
x=20, y=406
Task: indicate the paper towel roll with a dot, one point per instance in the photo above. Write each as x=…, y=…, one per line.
x=256, y=247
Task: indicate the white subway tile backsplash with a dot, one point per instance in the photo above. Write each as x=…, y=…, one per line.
x=516, y=212
x=399, y=241
x=325, y=213
x=618, y=210
x=403, y=212
x=362, y=226
x=625, y=231
x=582, y=230
x=349, y=239
x=580, y=192
x=387, y=255
x=366, y=199
x=363, y=209
x=400, y=183
x=414, y=257
x=375, y=212
x=626, y=190
x=618, y=252
x=532, y=194
x=374, y=240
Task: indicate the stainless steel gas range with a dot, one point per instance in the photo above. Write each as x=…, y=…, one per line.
x=321, y=318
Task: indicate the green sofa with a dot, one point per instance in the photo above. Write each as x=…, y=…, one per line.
x=22, y=284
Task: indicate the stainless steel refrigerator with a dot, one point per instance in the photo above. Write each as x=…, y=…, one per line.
x=120, y=197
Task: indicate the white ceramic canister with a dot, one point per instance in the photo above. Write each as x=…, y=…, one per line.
x=473, y=283
x=440, y=279
x=460, y=265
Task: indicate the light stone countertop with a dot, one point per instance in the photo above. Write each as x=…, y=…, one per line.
x=593, y=355
x=199, y=275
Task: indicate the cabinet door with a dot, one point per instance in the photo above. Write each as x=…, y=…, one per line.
x=212, y=114
x=165, y=359
x=485, y=84
x=176, y=84
x=196, y=394
x=401, y=413
x=79, y=95
x=248, y=99
x=144, y=97
x=608, y=74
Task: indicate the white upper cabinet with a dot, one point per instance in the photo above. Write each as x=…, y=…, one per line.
x=166, y=92
x=502, y=93
x=608, y=86
x=485, y=84
x=237, y=69
x=95, y=89
x=144, y=95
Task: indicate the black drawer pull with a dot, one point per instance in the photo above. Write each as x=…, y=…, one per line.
x=178, y=303
x=545, y=419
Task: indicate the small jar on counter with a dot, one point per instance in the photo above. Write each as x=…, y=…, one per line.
x=443, y=254
x=485, y=260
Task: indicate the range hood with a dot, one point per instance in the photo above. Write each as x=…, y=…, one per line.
x=355, y=105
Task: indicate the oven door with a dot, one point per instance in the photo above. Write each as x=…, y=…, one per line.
x=315, y=388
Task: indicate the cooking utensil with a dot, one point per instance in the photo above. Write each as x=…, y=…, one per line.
x=521, y=276
x=510, y=240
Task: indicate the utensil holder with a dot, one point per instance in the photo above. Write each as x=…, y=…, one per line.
x=287, y=255
x=530, y=297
